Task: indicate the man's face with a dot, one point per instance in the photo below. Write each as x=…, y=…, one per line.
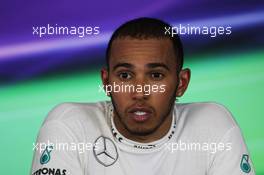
x=143, y=62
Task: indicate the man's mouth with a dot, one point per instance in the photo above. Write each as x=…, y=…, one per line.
x=140, y=114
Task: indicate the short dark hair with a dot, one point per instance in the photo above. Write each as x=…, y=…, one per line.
x=145, y=28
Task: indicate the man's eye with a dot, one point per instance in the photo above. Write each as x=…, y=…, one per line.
x=156, y=75
x=124, y=75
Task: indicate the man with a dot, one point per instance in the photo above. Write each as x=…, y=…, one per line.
x=142, y=130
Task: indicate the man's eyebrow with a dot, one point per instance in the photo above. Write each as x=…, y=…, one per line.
x=155, y=65
x=127, y=65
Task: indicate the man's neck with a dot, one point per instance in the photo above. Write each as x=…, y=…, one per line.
x=160, y=132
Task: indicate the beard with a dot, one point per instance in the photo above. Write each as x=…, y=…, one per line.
x=139, y=131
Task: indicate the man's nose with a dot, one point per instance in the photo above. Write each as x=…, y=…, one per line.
x=140, y=90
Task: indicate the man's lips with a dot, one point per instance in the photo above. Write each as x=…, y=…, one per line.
x=140, y=114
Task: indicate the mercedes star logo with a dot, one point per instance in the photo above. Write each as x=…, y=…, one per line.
x=105, y=151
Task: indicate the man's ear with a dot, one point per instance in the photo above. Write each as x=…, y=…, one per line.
x=105, y=78
x=184, y=79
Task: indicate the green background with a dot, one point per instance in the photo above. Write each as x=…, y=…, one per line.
x=234, y=80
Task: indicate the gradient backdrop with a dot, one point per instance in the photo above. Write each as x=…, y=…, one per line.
x=38, y=73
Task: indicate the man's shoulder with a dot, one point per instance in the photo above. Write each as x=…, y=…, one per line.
x=80, y=121
x=207, y=115
x=75, y=111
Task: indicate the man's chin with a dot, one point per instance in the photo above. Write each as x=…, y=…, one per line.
x=138, y=131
